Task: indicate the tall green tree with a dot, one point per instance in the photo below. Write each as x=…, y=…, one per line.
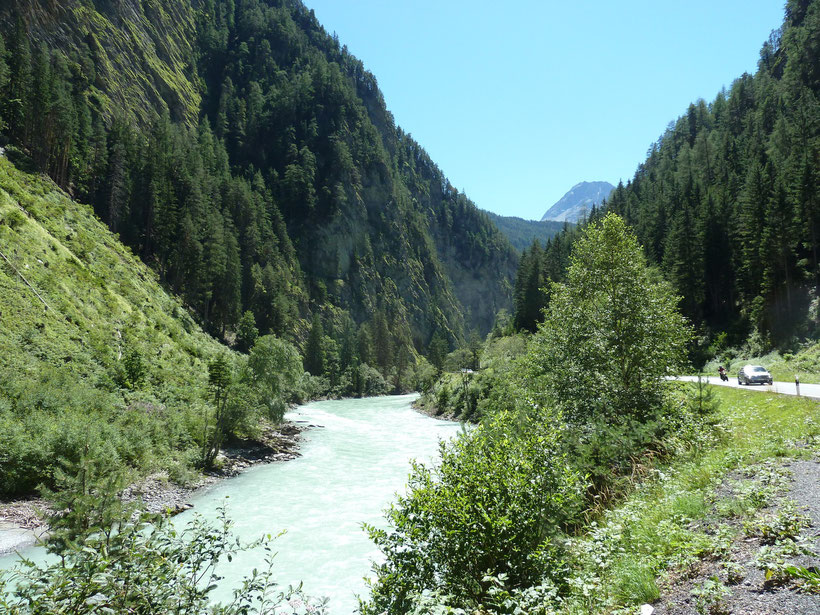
x=612, y=331
x=437, y=351
x=529, y=296
x=314, y=350
x=217, y=424
x=19, y=85
x=4, y=77
x=274, y=369
x=382, y=341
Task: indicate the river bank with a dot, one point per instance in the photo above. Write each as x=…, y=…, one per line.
x=348, y=472
x=427, y=407
x=22, y=520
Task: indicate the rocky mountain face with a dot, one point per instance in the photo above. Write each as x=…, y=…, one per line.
x=578, y=201
x=140, y=57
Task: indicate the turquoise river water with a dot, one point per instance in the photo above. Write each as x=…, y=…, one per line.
x=349, y=471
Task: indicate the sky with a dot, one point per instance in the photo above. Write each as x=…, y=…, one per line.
x=518, y=101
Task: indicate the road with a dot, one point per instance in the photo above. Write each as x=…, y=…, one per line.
x=787, y=388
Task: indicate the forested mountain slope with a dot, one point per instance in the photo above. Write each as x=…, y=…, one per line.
x=728, y=202
x=521, y=233
x=251, y=161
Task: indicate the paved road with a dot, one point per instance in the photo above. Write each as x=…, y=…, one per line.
x=787, y=388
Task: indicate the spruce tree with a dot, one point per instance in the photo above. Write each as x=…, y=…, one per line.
x=314, y=350
x=19, y=84
x=382, y=341
x=437, y=351
x=246, y=332
x=4, y=78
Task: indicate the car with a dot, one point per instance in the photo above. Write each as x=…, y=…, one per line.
x=754, y=374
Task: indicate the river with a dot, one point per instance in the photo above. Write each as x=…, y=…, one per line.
x=349, y=471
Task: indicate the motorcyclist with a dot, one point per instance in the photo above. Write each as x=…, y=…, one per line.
x=722, y=372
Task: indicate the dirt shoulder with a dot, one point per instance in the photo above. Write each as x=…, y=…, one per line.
x=751, y=576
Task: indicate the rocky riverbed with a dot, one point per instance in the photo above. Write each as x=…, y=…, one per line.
x=21, y=520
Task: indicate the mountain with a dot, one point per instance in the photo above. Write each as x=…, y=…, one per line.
x=521, y=233
x=247, y=157
x=578, y=202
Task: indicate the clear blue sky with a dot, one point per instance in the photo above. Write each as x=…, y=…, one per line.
x=519, y=101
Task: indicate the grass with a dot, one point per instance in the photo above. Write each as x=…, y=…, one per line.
x=101, y=296
x=662, y=528
x=73, y=303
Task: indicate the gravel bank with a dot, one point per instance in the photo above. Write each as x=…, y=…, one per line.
x=21, y=521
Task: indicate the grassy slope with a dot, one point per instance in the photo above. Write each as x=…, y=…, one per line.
x=679, y=516
x=102, y=297
x=103, y=303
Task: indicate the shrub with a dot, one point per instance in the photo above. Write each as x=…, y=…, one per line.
x=495, y=505
x=146, y=566
x=274, y=369
x=373, y=383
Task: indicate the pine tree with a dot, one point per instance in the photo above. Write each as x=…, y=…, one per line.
x=437, y=351
x=19, y=84
x=40, y=129
x=382, y=341
x=246, y=332
x=4, y=78
x=780, y=270
x=348, y=353
x=364, y=345
x=530, y=298
x=115, y=197
x=314, y=350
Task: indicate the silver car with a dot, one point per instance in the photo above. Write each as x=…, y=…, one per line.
x=754, y=374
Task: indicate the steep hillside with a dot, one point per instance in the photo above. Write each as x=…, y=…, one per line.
x=342, y=172
x=138, y=57
x=94, y=355
x=728, y=202
x=245, y=129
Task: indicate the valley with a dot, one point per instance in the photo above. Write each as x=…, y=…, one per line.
x=219, y=248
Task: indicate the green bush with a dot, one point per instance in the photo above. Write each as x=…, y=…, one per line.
x=372, y=381
x=274, y=370
x=13, y=219
x=496, y=505
x=147, y=566
x=51, y=418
